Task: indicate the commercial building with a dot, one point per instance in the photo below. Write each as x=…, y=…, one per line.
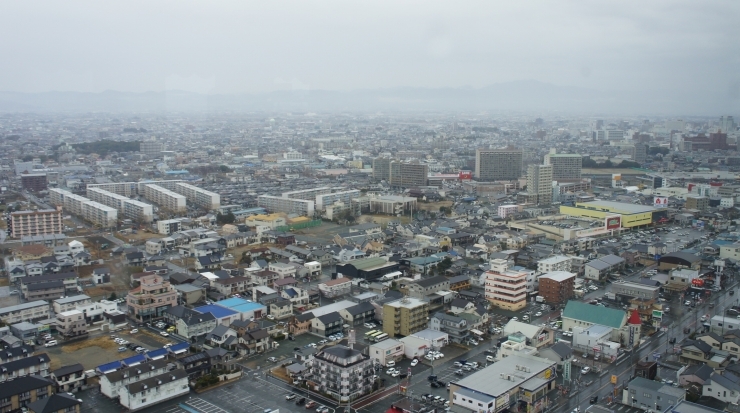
x=287, y=205
x=198, y=196
x=498, y=164
x=631, y=215
x=652, y=395
x=405, y=316
x=557, y=287
x=506, y=288
x=600, y=268
x=151, y=298
x=31, y=223
x=381, y=169
x=34, y=182
x=128, y=208
x=517, y=380
x=165, y=198
x=343, y=373
x=564, y=165
x=539, y=183
x=641, y=153
x=700, y=203
x=583, y=315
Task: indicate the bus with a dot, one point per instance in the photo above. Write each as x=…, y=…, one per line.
x=370, y=334
x=374, y=336
x=380, y=337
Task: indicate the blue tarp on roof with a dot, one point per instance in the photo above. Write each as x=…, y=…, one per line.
x=107, y=368
x=134, y=360
x=156, y=354
x=180, y=347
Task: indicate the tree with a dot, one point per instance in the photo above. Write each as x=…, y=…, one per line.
x=246, y=258
x=112, y=296
x=224, y=169
x=227, y=218
x=445, y=248
x=27, y=158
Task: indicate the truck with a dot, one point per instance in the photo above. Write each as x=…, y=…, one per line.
x=540, y=299
x=610, y=296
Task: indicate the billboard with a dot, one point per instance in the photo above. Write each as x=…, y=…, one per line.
x=660, y=201
x=465, y=175
x=613, y=222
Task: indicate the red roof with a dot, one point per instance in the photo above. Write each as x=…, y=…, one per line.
x=634, y=318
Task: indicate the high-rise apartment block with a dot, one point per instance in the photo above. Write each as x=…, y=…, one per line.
x=506, y=288
x=151, y=148
x=727, y=124
x=34, y=182
x=94, y=212
x=166, y=199
x=286, y=205
x=539, y=182
x=641, y=153
x=381, y=169
x=41, y=222
x=129, y=208
x=564, y=165
x=408, y=174
x=498, y=164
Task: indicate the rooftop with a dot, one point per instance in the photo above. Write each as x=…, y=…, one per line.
x=616, y=207
x=492, y=380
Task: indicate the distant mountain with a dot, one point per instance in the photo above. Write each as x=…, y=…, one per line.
x=520, y=96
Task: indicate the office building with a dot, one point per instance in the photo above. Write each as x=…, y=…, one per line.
x=286, y=205
x=408, y=174
x=343, y=373
x=539, y=183
x=165, y=198
x=382, y=169
x=498, y=164
x=34, y=182
x=40, y=222
x=405, y=316
x=700, y=203
x=564, y=165
x=608, y=135
x=727, y=124
x=506, y=288
x=198, y=196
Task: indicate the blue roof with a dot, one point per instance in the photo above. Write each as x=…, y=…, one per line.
x=217, y=311
x=232, y=302
x=247, y=307
x=179, y=347
x=156, y=354
x=132, y=361
x=107, y=368
x=291, y=292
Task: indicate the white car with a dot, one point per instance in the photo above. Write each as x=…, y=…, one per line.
x=490, y=359
x=515, y=318
x=390, y=363
x=538, y=314
x=414, y=362
x=585, y=370
x=438, y=356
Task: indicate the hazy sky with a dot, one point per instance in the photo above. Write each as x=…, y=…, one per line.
x=257, y=46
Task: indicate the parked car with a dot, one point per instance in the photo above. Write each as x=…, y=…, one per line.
x=310, y=404
x=300, y=401
x=414, y=362
x=134, y=331
x=272, y=359
x=122, y=349
x=164, y=334
x=290, y=396
x=585, y=370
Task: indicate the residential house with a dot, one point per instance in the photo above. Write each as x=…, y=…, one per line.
x=358, y=315
x=300, y=323
x=455, y=327
x=21, y=392
x=327, y=324
x=153, y=390
x=69, y=379
x=56, y=403
x=650, y=395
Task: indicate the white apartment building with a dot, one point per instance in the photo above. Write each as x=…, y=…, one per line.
x=344, y=197
x=506, y=288
x=128, y=208
x=169, y=226
x=157, y=389
x=198, y=196
x=30, y=312
x=283, y=270
x=61, y=305
x=113, y=382
x=121, y=188
x=554, y=263
x=307, y=194
x=40, y=222
x=507, y=210
x=314, y=269
x=94, y=212
x=165, y=198
x=286, y=205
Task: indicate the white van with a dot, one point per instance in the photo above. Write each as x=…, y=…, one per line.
x=51, y=343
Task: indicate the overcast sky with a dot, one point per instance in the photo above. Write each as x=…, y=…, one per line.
x=258, y=46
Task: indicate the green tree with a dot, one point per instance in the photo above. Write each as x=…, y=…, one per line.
x=112, y=296
x=227, y=218
x=224, y=169
x=246, y=258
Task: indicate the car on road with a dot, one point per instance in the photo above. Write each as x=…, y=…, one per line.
x=134, y=331
x=432, y=377
x=271, y=359
x=435, y=384
x=290, y=396
x=414, y=362
x=687, y=302
x=525, y=317
x=164, y=334
x=585, y=370
x=538, y=314
x=311, y=404
x=300, y=401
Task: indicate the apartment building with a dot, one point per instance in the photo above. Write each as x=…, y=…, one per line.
x=71, y=324
x=121, y=188
x=539, y=183
x=29, y=312
x=381, y=169
x=455, y=327
x=342, y=372
x=286, y=205
x=405, y=316
x=69, y=378
x=37, y=364
x=165, y=198
x=307, y=194
x=557, y=287
x=32, y=223
x=151, y=298
x=564, y=165
x=148, y=392
x=34, y=182
x=345, y=197
x=408, y=174
x=112, y=383
x=19, y=393
x=498, y=164
x=94, y=212
x=506, y=288
x=198, y=196
x=128, y=208
x=335, y=288
x=554, y=263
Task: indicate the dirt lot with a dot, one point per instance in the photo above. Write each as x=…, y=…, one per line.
x=433, y=206
x=383, y=220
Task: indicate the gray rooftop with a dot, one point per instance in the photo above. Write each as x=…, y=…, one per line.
x=489, y=381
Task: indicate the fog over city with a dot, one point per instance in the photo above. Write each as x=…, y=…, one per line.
x=657, y=57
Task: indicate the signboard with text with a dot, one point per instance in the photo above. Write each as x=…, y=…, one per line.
x=566, y=370
x=660, y=202
x=613, y=222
